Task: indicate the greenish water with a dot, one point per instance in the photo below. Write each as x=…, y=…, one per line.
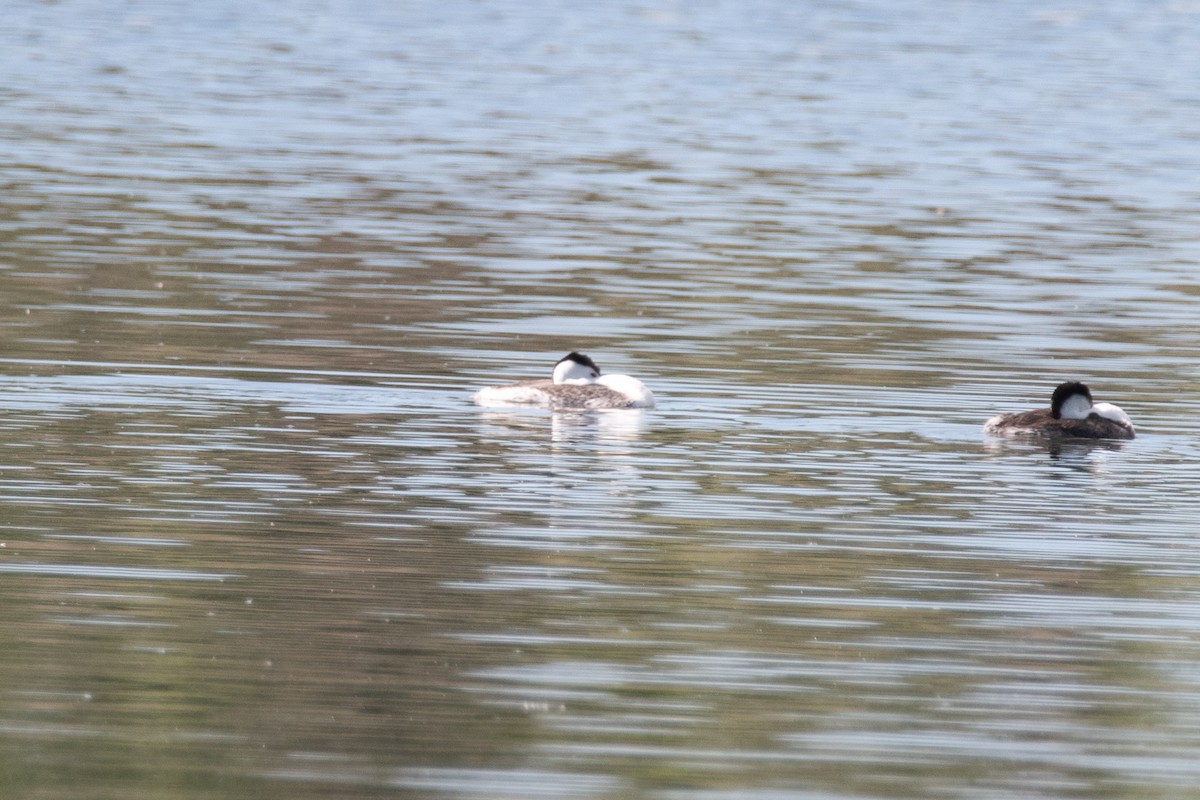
x=255, y=540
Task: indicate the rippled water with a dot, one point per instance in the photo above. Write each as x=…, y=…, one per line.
x=256, y=541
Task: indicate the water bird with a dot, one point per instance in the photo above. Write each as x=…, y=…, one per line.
x=1071, y=414
x=575, y=383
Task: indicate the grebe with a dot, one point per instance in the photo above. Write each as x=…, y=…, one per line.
x=576, y=383
x=1071, y=414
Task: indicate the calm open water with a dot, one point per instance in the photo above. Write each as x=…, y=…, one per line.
x=255, y=541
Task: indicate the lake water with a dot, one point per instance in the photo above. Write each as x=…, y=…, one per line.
x=257, y=542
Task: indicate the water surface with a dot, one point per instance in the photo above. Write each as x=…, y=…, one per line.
x=256, y=540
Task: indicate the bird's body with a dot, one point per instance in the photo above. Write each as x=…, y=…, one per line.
x=576, y=384
x=1072, y=414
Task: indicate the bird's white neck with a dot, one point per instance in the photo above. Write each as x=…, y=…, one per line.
x=568, y=371
x=1077, y=406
